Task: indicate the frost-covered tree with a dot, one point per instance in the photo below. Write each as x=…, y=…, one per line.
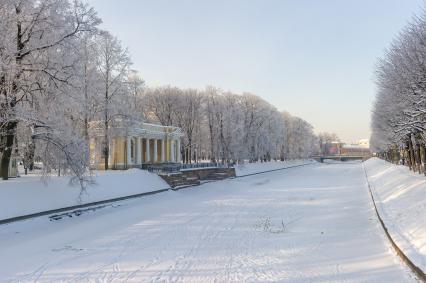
x=87, y=83
x=37, y=39
x=229, y=127
x=189, y=117
x=135, y=87
x=60, y=75
x=113, y=65
x=399, y=115
x=162, y=104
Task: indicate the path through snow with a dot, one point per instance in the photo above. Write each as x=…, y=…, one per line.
x=306, y=224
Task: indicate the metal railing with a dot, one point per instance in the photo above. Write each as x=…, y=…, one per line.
x=176, y=167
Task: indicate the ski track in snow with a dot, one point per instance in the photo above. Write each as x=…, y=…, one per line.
x=307, y=224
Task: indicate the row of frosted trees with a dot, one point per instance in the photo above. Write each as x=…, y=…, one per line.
x=228, y=127
x=60, y=73
x=399, y=112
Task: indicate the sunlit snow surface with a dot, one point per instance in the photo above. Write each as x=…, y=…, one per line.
x=306, y=224
x=28, y=194
x=401, y=198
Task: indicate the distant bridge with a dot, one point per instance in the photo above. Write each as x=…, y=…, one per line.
x=321, y=158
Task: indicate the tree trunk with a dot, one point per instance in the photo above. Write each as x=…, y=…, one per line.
x=212, y=153
x=408, y=155
x=9, y=137
x=86, y=96
x=418, y=158
x=190, y=150
x=86, y=129
x=106, y=145
x=29, y=156
x=411, y=154
x=106, y=124
x=424, y=159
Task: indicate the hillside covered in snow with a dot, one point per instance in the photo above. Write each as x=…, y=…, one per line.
x=401, y=199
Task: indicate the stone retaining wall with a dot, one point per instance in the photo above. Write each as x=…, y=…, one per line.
x=194, y=176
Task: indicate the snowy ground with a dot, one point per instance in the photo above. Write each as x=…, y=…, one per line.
x=28, y=194
x=401, y=198
x=308, y=224
x=251, y=168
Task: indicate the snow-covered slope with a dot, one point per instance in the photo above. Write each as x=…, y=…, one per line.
x=251, y=168
x=401, y=199
x=28, y=194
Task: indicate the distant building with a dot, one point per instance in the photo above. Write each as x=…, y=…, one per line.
x=133, y=144
x=354, y=150
x=331, y=148
x=364, y=143
x=341, y=149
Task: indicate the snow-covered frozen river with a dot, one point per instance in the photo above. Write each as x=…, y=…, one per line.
x=306, y=224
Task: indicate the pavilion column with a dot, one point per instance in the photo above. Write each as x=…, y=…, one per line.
x=110, y=151
x=138, y=151
x=129, y=151
x=178, y=150
x=93, y=154
x=172, y=150
x=163, y=151
x=148, y=157
x=155, y=151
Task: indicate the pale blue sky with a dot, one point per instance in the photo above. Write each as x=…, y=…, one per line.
x=314, y=59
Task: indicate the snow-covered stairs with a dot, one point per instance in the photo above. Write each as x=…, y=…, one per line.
x=179, y=179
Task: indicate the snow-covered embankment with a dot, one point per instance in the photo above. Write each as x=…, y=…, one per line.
x=401, y=200
x=28, y=194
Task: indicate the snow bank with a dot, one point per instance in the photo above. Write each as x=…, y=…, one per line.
x=401, y=200
x=28, y=194
x=251, y=168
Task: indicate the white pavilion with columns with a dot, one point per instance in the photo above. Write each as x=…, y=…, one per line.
x=133, y=144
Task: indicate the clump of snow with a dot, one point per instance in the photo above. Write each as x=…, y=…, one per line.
x=257, y=167
x=29, y=194
x=401, y=200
